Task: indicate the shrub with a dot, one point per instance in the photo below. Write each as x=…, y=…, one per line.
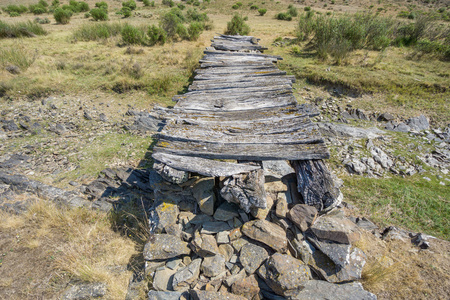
x=62, y=16
x=307, y=8
x=130, y=4
x=126, y=12
x=292, y=11
x=237, y=26
x=43, y=3
x=152, y=4
x=170, y=22
x=102, y=5
x=156, y=35
x=262, y=11
x=42, y=21
x=99, y=14
x=283, y=16
x=20, y=9
x=181, y=32
x=194, y=30
x=14, y=14
x=195, y=15
x=132, y=35
x=235, y=6
x=181, y=6
x=169, y=3
x=55, y=3
x=97, y=31
x=39, y=10
x=254, y=7
x=22, y=29
x=196, y=3
x=146, y=2
x=83, y=6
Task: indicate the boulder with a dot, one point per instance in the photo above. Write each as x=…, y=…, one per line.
x=204, y=244
x=418, y=123
x=164, y=246
x=252, y=256
x=336, y=229
x=303, y=216
x=267, y=233
x=284, y=274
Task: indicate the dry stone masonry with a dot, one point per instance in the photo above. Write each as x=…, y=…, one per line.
x=245, y=207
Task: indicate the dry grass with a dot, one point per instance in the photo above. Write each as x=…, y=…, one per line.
x=77, y=244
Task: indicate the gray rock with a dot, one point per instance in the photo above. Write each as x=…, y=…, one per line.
x=87, y=115
x=226, y=250
x=418, y=123
x=381, y=157
x=281, y=209
x=213, y=265
x=356, y=167
x=322, y=290
x=284, y=274
x=187, y=275
x=366, y=224
x=267, y=233
x=246, y=189
x=336, y=229
x=211, y=295
x=204, y=244
x=203, y=192
x=170, y=174
x=401, y=127
x=230, y=280
x=162, y=279
x=348, y=262
x=277, y=168
x=303, y=216
x=252, y=256
x=166, y=215
x=214, y=227
x=9, y=125
x=386, y=117
x=13, y=69
x=164, y=246
x=85, y=291
x=146, y=122
x=341, y=130
x=161, y=295
x=247, y=287
x=223, y=237
x=226, y=211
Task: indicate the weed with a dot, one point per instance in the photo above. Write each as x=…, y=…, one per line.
x=99, y=14
x=132, y=35
x=130, y=4
x=262, y=11
x=147, y=2
x=237, y=26
x=168, y=3
x=102, y=5
x=126, y=12
x=283, y=16
x=156, y=35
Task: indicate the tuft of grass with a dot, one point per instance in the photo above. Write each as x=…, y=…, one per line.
x=22, y=29
x=18, y=56
x=410, y=202
x=97, y=31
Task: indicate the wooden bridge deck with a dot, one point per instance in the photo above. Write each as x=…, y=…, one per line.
x=239, y=107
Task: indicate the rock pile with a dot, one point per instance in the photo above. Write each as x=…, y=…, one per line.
x=205, y=246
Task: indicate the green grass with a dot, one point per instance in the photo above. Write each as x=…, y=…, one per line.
x=18, y=56
x=413, y=202
x=21, y=29
x=97, y=31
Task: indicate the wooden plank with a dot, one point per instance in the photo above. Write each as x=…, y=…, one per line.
x=219, y=64
x=239, y=76
x=237, y=38
x=245, y=54
x=225, y=47
x=202, y=166
x=237, y=94
x=210, y=85
x=236, y=70
x=257, y=152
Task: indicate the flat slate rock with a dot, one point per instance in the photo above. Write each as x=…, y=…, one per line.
x=322, y=290
x=165, y=246
x=267, y=233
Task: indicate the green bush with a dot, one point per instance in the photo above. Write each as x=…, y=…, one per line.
x=169, y=3
x=99, y=14
x=307, y=8
x=83, y=6
x=55, y=3
x=194, y=30
x=254, y=7
x=20, y=9
x=43, y=3
x=292, y=11
x=283, y=16
x=181, y=6
x=126, y=12
x=193, y=14
x=39, y=10
x=42, y=21
x=21, y=29
x=146, y=2
x=156, y=35
x=237, y=26
x=102, y=5
x=132, y=35
x=262, y=11
x=14, y=14
x=181, y=32
x=130, y=4
x=235, y=6
x=97, y=31
x=62, y=16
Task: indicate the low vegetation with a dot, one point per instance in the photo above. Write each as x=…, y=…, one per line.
x=237, y=25
x=21, y=29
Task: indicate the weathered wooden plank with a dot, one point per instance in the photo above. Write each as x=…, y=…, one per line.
x=236, y=70
x=236, y=59
x=239, y=76
x=202, y=166
x=237, y=94
x=237, y=38
x=219, y=64
x=245, y=54
x=244, y=151
x=210, y=85
x=225, y=47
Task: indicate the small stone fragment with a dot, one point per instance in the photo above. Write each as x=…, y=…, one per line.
x=247, y=287
x=282, y=207
x=252, y=256
x=213, y=265
x=226, y=250
x=211, y=295
x=203, y=192
x=322, y=290
x=162, y=279
x=184, y=277
x=204, y=244
x=164, y=246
